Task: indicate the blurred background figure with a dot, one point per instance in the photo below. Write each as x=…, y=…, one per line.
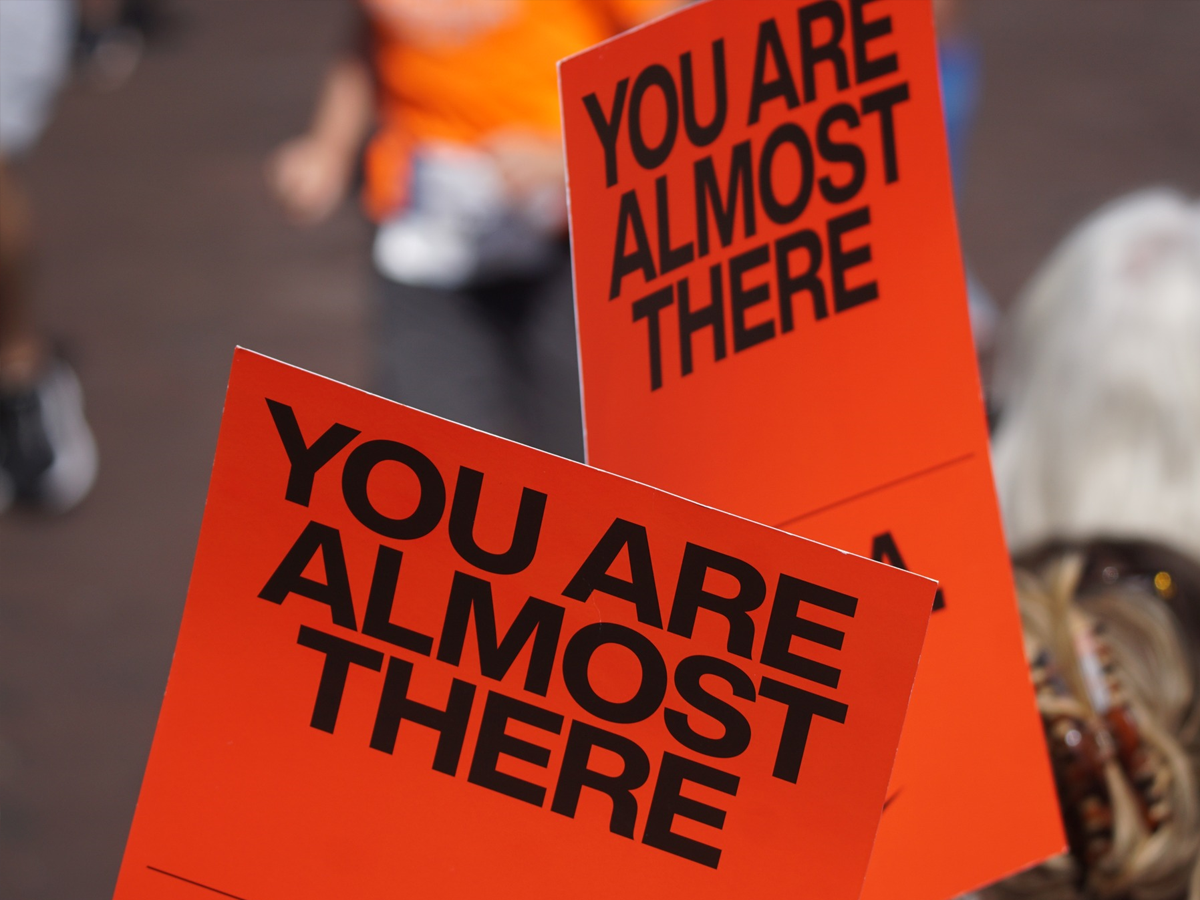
x=1098, y=379
x=1097, y=462
x=47, y=453
x=464, y=179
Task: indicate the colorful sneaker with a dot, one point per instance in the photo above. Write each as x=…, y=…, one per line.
x=47, y=450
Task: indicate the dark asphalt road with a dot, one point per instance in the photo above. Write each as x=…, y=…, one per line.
x=161, y=251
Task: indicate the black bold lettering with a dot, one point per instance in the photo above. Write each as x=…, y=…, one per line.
x=574, y=775
x=830, y=51
x=334, y=592
x=494, y=742
x=640, y=589
x=669, y=802
x=708, y=194
x=786, y=624
x=834, y=151
x=808, y=280
x=882, y=104
x=691, y=596
x=608, y=127
x=450, y=723
x=711, y=316
x=640, y=259
x=736, y=736
x=841, y=260
x=741, y=298
x=658, y=76
x=537, y=620
x=778, y=212
x=802, y=706
x=884, y=550
x=669, y=258
x=648, y=308
x=782, y=85
x=357, y=473
x=305, y=460
x=863, y=31
x=652, y=686
x=465, y=510
x=378, y=619
x=703, y=135
x=340, y=655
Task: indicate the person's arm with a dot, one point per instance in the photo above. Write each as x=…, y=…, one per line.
x=310, y=174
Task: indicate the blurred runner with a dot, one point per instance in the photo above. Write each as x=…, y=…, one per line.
x=464, y=178
x=47, y=453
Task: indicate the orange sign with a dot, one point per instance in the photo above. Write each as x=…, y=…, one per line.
x=772, y=321
x=417, y=658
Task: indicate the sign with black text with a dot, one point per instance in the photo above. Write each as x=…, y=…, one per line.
x=772, y=321
x=417, y=658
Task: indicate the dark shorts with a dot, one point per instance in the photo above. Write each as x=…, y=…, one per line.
x=500, y=358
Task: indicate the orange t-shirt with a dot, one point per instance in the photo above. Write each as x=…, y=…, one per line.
x=459, y=70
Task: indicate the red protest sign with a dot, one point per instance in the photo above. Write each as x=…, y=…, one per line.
x=416, y=657
x=771, y=315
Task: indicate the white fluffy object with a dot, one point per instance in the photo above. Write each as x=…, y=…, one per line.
x=1098, y=376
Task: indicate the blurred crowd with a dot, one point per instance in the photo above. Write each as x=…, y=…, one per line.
x=444, y=116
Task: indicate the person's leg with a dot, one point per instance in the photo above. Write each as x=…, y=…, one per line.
x=20, y=349
x=47, y=453
x=500, y=358
x=34, y=45
x=449, y=353
x=552, y=363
